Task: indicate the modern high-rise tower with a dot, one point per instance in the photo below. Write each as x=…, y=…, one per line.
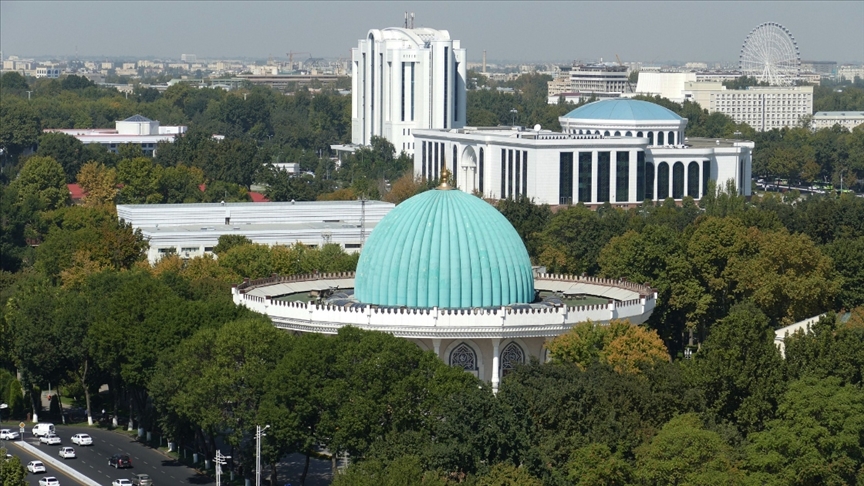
x=405, y=79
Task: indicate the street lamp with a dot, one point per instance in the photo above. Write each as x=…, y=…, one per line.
x=513, y=112
x=259, y=432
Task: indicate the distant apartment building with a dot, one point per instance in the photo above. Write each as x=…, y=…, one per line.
x=849, y=73
x=762, y=107
x=666, y=85
x=560, y=84
x=599, y=78
x=821, y=67
x=47, y=72
x=846, y=119
x=188, y=58
x=136, y=130
x=404, y=79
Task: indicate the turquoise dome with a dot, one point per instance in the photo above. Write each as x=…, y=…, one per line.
x=447, y=249
x=622, y=109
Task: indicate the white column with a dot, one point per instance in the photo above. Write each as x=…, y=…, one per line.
x=436, y=345
x=495, y=365
x=656, y=165
x=613, y=176
x=594, y=188
x=701, y=171
x=632, y=186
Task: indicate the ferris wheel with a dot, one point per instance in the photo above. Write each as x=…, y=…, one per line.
x=770, y=54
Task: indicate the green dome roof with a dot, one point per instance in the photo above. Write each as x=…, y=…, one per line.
x=446, y=249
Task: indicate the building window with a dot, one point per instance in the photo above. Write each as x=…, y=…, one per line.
x=511, y=357
x=650, y=138
x=659, y=138
x=435, y=169
x=693, y=179
x=464, y=357
x=639, y=134
x=585, y=177
x=503, y=173
x=453, y=165
x=662, y=181
x=446, y=79
x=565, y=178
x=517, y=178
x=412, y=91
x=740, y=181
x=640, y=176
x=622, y=176
x=525, y=173
x=509, y=173
x=480, y=172
x=404, y=67
x=678, y=180
x=603, y=176
x=423, y=158
x=671, y=138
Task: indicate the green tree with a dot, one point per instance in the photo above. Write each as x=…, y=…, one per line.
x=43, y=178
x=595, y=464
x=65, y=149
x=504, y=474
x=528, y=219
x=739, y=369
x=572, y=240
x=683, y=452
x=12, y=472
x=20, y=126
x=227, y=242
x=848, y=257
x=621, y=345
x=403, y=471
x=816, y=438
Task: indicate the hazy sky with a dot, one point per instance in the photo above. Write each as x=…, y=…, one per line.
x=507, y=30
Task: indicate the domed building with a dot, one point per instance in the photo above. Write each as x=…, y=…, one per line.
x=619, y=151
x=447, y=271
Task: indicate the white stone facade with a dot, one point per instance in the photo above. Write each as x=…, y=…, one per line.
x=454, y=335
x=565, y=168
x=404, y=80
x=846, y=119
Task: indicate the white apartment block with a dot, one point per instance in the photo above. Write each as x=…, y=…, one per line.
x=560, y=84
x=599, y=78
x=762, y=107
x=47, y=72
x=405, y=79
x=846, y=119
x=850, y=72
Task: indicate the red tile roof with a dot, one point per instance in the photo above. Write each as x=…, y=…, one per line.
x=258, y=197
x=76, y=192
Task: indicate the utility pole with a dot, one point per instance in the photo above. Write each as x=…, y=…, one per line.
x=220, y=461
x=259, y=432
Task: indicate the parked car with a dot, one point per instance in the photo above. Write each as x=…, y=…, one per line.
x=67, y=453
x=8, y=434
x=121, y=482
x=36, y=467
x=142, y=480
x=120, y=460
x=82, y=440
x=43, y=429
x=50, y=439
x=49, y=481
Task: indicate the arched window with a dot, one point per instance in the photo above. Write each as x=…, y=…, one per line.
x=671, y=138
x=650, y=138
x=464, y=357
x=629, y=134
x=706, y=175
x=678, y=180
x=617, y=134
x=693, y=179
x=662, y=181
x=639, y=134
x=606, y=133
x=480, y=172
x=511, y=356
x=660, y=138
x=649, y=181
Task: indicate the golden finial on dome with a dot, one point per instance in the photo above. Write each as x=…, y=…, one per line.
x=445, y=178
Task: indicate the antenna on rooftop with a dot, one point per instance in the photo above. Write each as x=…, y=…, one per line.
x=412, y=20
x=406, y=20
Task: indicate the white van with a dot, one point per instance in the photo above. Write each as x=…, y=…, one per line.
x=43, y=429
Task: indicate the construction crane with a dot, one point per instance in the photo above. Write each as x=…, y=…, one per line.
x=629, y=86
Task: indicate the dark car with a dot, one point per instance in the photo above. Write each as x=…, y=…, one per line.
x=120, y=460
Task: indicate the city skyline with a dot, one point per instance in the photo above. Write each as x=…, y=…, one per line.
x=507, y=31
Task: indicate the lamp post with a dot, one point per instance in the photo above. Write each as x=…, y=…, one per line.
x=259, y=432
x=513, y=112
x=220, y=461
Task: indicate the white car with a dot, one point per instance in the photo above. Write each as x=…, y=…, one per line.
x=121, y=482
x=67, y=453
x=50, y=439
x=8, y=434
x=36, y=467
x=49, y=481
x=82, y=440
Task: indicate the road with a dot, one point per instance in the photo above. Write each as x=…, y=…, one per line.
x=92, y=461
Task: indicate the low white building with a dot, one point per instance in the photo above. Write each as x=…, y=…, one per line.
x=621, y=151
x=846, y=119
x=671, y=86
x=137, y=129
x=191, y=230
x=601, y=78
